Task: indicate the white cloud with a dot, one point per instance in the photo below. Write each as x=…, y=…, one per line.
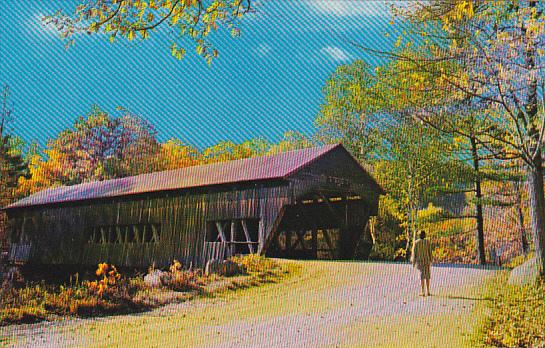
x=36, y=27
x=336, y=53
x=263, y=50
x=349, y=7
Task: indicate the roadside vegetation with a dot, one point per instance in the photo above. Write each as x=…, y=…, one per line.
x=111, y=293
x=515, y=315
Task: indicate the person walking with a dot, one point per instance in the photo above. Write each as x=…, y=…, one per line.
x=422, y=259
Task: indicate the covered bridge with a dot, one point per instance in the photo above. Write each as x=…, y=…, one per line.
x=310, y=203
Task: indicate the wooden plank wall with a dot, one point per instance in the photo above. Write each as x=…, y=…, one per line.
x=61, y=234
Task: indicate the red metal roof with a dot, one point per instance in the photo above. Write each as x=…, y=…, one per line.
x=251, y=169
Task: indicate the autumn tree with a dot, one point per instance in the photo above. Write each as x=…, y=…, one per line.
x=45, y=171
x=292, y=141
x=507, y=188
x=97, y=147
x=455, y=115
x=360, y=103
x=501, y=47
x=228, y=151
x=182, y=21
x=175, y=154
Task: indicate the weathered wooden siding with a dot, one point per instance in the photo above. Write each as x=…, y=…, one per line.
x=61, y=233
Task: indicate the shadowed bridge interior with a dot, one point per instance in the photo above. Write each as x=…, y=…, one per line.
x=320, y=228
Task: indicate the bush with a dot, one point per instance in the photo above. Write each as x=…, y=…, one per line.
x=388, y=227
x=108, y=285
x=181, y=280
x=517, y=317
x=111, y=293
x=23, y=305
x=258, y=266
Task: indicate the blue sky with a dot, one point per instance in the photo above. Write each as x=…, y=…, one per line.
x=264, y=83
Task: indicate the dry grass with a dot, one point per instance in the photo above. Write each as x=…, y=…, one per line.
x=119, y=295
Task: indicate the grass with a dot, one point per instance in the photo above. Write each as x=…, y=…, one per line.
x=116, y=295
x=516, y=317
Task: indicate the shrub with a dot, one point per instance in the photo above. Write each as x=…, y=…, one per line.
x=388, y=230
x=255, y=264
x=178, y=279
x=113, y=294
x=108, y=284
x=24, y=305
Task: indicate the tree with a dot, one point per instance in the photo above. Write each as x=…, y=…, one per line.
x=355, y=99
x=291, y=141
x=12, y=163
x=510, y=190
x=45, y=171
x=189, y=20
x=501, y=47
x=414, y=168
x=455, y=115
x=347, y=112
x=229, y=151
x=175, y=154
x=97, y=147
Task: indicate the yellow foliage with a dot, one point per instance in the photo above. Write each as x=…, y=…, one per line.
x=109, y=279
x=44, y=172
x=175, y=154
x=517, y=316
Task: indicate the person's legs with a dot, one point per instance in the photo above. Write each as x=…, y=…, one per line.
x=428, y=286
x=422, y=281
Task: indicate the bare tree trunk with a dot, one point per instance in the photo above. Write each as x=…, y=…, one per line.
x=408, y=249
x=525, y=246
x=537, y=209
x=481, y=256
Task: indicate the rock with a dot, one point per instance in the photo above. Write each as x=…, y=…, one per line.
x=12, y=276
x=525, y=273
x=212, y=267
x=154, y=278
x=230, y=268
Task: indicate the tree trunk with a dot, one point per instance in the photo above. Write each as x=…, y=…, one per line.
x=481, y=256
x=408, y=253
x=520, y=215
x=537, y=209
x=535, y=177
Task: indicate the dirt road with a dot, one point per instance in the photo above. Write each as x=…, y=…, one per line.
x=328, y=304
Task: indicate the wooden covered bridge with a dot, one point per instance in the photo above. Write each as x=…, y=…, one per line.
x=310, y=203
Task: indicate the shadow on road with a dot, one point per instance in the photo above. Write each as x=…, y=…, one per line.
x=468, y=298
x=471, y=266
